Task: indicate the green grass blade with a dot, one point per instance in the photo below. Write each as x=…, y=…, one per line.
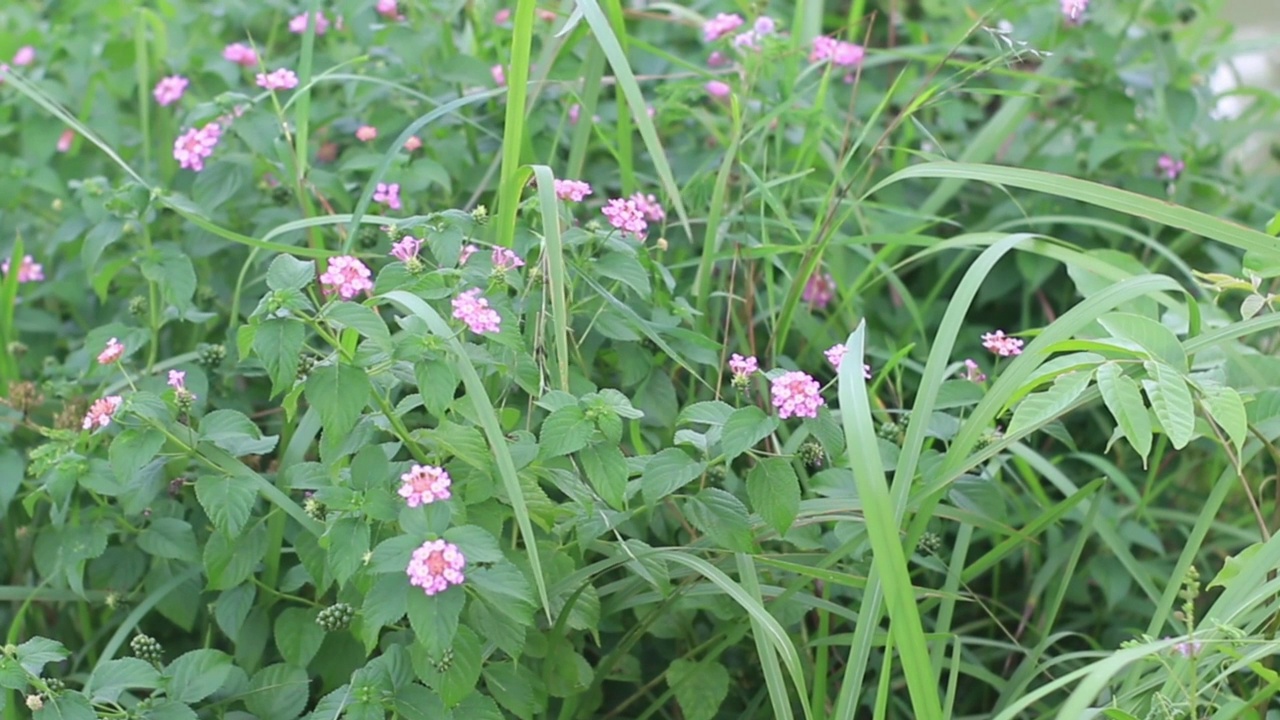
x=553, y=252
x=777, y=685
x=513, y=130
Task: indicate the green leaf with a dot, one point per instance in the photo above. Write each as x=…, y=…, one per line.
x=363, y=320
x=564, y=431
x=506, y=588
x=626, y=269
x=1171, y=400
x=113, y=677
x=98, y=239
x=169, y=538
x=170, y=267
x=463, y=442
x=700, y=687
x=226, y=500
x=278, y=692
x=1234, y=565
x=133, y=449
x=1041, y=407
x=233, y=607
x=1227, y=410
x=234, y=432
x=169, y=710
x=66, y=706
x=434, y=618
x=230, y=559
x=667, y=472
x=516, y=688
x=774, y=491
x=454, y=679
x=196, y=675
x=476, y=543
x=385, y=603
x=721, y=516
x=37, y=652
x=347, y=542
x=437, y=384
x=289, y=273
x=1124, y=400
x=278, y=344
x=339, y=393
x=297, y=636
x=1158, y=340
x=218, y=183
x=744, y=429
x=606, y=470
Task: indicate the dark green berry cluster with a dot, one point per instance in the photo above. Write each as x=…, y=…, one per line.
x=211, y=356
x=930, y=544
x=812, y=454
x=336, y=617
x=147, y=648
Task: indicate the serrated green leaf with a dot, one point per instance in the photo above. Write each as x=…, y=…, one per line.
x=744, y=429
x=347, y=541
x=1039, y=408
x=437, y=384
x=434, y=618
x=230, y=559
x=66, y=706
x=516, y=688
x=626, y=269
x=1227, y=410
x=464, y=442
x=774, y=491
x=233, y=607
x=700, y=687
x=113, y=677
x=476, y=543
x=339, y=393
x=278, y=344
x=297, y=636
x=289, y=273
x=278, y=692
x=1150, y=335
x=455, y=679
x=169, y=538
x=1171, y=400
x=667, y=472
x=507, y=588
x=385, y=603
x=363, y=320
x=132, y=449
x=564, y=431
x=606, y=470
x=196, y=675
x=234, y=432
x=1124, y=399
x=37, y=652
x=721, y=516
x=226, y=500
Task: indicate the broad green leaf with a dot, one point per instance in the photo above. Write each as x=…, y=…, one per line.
x=564, y=431
x=1124, y=399
x=196, y=675
x=667, y=472
x=476, y=543
x=1150, y=335
x=434, y=618
x=385, y=603
x=233, y=607
x=506, y=587
x=347, y=541
x=132, y=449
x=170, y=267
x=289, y=273
x=113, y=677
x=516, y=688
x=709, y=412
x=37, y=652
x=230, y=559
x=361, y=319
x=700, y=687
x=437, y=384
x=66, y=706
x=232, y=431
x=1171, y=400
x=774, y=491
x=606, y=470
x=744, y=429
x=297, y=636
x=339, y=393
x=1039, y=408
x=1227, y=410
x=169, y=538
x=721, y=516
x=626, y=269
x=278, y=691
x=453, y=675
x=278, y=344
x=464, y=442
x=169, y=710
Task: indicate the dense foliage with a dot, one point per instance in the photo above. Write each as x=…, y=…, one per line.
x=440, y=359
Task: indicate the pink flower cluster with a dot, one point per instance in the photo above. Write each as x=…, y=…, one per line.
x=240, y=54
x=282, y=79
x=178, y=381
x=192, y=147
x=819, y=291
x=1073, y=10
x=388, y=194
x=25, y=56
x=169, y=90
x=407, y=249
x=1001, y=344
x=111, y=353
x=499, y=75
x=388, y=9
x=28, y=271
x=474, y=310
x=721, y=25
x=425, y=484
x=743, y=367
x=572, y=190
x=835, y=355
x=366, y=133
x=972, y=372
x=750, y=40
x=837, y=52
x=100, y=412
x=718, y=89
x=649, y=205
x=626, y=216
x=346, y=276
x=1170, y=168
x=466, y=253
x=435, y=566
x=298, y=24
x=796, y=394
x=504, y=259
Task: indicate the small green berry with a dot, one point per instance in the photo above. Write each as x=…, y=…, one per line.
x=147, y=648
x=138, y=306
x=336, y=617
x=211, y=356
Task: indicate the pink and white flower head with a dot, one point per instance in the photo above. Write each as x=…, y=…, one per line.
x=388, y=194
x=366, y=133
x=1001, y=344
x=406, y=251
x=28, y=271
x=972, y=372
x=425, y=484
x=504, y=259
x=25, y=56
x=650, y=206
x=1073, y=10
x=721, y=25
x=1170, y=168
x=474, y=310
x=575, y=111
x=717, y=59
x=282, y=79
x=499, y=75
x=240, y=54
x=65, y=139
x=835, y=355
x=111, y=353
x=837, y=52
x=467, y=252
x=796, y=394
x=435, y=566
x=346, y=276
x=388, y=9
x=177, y=380
x=819, y=291
x=101, y=411
x=718, y=89
x=502, y=16
x=169, y=90
x=195, y=145
x=572, y=190
x=298, y=24
x=743, y=367
x=1189, y=648
x=763, y=27
x=413, y=143
x=627, y=217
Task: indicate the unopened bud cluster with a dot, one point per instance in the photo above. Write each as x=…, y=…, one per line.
x=336, y=617
x=147, y=648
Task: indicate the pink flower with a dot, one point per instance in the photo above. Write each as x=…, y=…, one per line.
x=177, y=380
x=572, y=190
x=25, y=56
x=546, y=15
x=65, y=140
x=298, y=24
x=365, y=133
x=649, y=205
x=1170, y=168
x=718, y=89
x=837, y=52
x=717, y=59
x=721, y=25
x=169, y=90
x=389, y=194
x=574, y=111
x=28, y=271
x=388, y=9
x=4, y=68
x=407, y=249
x=502, y=16
x=835, y=356
x=193, y=146
x=111, y=353
x=819, y=291
x=972, y=373
x=240, y=54
x=346, y=276
x=1188, y=648
x=796, y=394
x=750, y=40
x=1073, y=10
x=504, y=259
x=1002, y=345
x=101, y=411
x=499, y=75
x=282, y=79
x=425, y=484
x=413, y=143
x=627, y=217
x=435, y=566
x=741, y=367
x=467, y=252
x=474, y=310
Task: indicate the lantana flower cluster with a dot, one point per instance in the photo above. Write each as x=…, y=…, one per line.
x=436, y=564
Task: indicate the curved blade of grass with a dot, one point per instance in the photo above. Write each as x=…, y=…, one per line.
x=553, y=251
x=8, y=308
x=776, y=684
x=483, y=407
x=513, y=129
x=302, y=98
